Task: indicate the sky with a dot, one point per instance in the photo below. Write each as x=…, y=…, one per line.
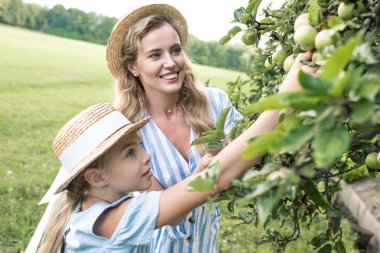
x=207, y=19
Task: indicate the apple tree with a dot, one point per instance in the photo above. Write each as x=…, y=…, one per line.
x=334, y=128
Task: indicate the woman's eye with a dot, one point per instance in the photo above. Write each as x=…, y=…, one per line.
x=155, y=56
x=177, y=51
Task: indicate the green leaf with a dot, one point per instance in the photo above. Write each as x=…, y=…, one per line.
x=222, y=119
x=339, y=58
x=295, y=139
x=268, y=167
x=303, y=99
x=266, y=203
x=308, y=171
x=260, y=145
x=313, y=11
x=334, y=21
x=362, y=111
x=250, y=6
x=339, y=247
x=214, y=146
x=368, y=87
x=312, y=83
x=325, y=249
x=341, y=83
x=238, y=13
x=315, y=195
x=231, y=33
x=297, y=99
x=329, y=144
x=206, y=184
x=209, y=138
x=319, y=240
x=288, y=123
x=253, y=7
x=267, y=103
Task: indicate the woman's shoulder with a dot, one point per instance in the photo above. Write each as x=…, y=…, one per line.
x=213, y=91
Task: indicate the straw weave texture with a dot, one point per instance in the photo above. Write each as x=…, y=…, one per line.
x=79, y=124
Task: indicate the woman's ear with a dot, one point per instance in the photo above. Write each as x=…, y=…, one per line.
x=131, y=68
x=95, y=177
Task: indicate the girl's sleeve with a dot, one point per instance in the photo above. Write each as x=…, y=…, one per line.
x=139, y=220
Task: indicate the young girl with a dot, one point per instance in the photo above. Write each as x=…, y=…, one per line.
x=100, y=149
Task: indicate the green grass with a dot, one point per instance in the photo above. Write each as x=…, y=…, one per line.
x=44, y=81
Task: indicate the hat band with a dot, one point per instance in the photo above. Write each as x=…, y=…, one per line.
x=92, y=138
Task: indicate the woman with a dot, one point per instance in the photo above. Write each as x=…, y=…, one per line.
x=154, y=78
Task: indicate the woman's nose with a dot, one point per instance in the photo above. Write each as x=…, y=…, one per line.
x=169, y=62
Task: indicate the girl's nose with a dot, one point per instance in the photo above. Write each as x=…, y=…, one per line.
x=148, y=157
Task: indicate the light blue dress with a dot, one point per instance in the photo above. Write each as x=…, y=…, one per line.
x=132, y=235
x=198, y=232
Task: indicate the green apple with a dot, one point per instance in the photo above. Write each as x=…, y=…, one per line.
x=268, y=65
x=345, y=10
x=318, y=58
x=371, y=161
x=288, y=63
x=302, y=19
x=324, y=38
x=248, y=37
x=305, y=37
x=321, y=186
x=279, y=57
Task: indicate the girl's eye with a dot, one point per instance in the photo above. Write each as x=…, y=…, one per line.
x=131, y=153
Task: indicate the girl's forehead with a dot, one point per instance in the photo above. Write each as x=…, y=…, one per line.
x=129, y=139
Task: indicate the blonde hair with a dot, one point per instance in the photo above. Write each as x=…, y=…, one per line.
x=66, y=204
x=130, y=97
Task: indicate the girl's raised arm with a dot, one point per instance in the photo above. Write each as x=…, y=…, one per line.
x=176, y=202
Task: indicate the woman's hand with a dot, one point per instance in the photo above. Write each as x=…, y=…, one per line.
x=291, y=82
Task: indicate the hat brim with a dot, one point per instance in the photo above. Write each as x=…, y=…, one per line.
x=100, y=150
x=120, y=30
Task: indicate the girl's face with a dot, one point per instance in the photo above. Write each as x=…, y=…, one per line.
x=160, y=61
x=128, y=168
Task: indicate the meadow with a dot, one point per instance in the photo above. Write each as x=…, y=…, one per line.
x=44, y=81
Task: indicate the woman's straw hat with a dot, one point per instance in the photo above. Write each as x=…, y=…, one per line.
x=121, y=28
x=89, y=135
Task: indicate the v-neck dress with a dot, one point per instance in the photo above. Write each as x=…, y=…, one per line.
x=198, y=232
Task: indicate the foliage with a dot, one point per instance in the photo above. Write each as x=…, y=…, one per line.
x=334, y=126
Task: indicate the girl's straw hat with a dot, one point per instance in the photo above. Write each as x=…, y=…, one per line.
x=121, y=29
x=88, y=135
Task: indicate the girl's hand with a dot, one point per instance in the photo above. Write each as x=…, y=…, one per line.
x=205, y=161
x=291, y=82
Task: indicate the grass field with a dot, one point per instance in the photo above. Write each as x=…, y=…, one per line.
x=44, y=81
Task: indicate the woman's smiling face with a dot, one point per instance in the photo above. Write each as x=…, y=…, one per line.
x=160, y=61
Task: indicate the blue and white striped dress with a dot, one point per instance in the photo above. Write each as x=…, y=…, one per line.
x=198, y=232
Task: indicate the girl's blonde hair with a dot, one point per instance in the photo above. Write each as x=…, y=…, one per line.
x=66, y=204
x=130, y=96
